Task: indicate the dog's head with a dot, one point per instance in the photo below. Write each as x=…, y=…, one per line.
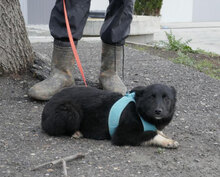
x=156, y=103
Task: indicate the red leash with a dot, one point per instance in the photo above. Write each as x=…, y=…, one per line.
x=72, y=44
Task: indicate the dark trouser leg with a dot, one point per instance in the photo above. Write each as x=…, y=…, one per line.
x=117, y=22
x=77, y=10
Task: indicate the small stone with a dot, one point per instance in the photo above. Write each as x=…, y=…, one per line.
x=8, y=171
x=196, y=160
x=202, y=103
x=50, y=170
x=116, y=168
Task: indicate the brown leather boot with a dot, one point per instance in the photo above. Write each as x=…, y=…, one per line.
x=61, y=75
x=111, y=60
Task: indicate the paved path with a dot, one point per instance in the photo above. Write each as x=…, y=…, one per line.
x=204, y=35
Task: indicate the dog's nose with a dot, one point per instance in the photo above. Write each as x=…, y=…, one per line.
x=158, y=111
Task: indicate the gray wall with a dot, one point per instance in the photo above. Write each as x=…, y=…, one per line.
x=39, y=11
x=206, y=10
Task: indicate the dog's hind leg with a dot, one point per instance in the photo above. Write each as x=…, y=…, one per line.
x=163, y=141
x=64, y=119
x=77, y=135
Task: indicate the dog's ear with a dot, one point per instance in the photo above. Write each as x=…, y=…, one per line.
x=138, y=91
x=173, y=91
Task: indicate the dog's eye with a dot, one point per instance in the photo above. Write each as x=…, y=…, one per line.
x=164, y=96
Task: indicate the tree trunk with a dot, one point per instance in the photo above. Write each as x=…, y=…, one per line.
x=16, y=53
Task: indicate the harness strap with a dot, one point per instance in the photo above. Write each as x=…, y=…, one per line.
x=72, y=44
x=116, y=110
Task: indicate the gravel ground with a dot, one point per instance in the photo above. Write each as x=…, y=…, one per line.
x=195, y=126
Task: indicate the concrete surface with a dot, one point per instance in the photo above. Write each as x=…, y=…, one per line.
x=205, y=36
x=140, y=25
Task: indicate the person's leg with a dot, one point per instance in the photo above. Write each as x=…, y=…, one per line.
x=113, y=33
x=117, y=22
x=78, y=12
x=62, y=67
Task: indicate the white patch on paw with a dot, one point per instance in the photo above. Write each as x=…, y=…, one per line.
x=163, y=141
x=162, y=134
x=77, y=135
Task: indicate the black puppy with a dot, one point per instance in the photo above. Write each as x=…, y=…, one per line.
x=84, y=111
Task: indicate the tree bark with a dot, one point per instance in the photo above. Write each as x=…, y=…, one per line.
x=16, y=53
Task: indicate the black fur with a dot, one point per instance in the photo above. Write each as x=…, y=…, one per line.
x=86, y=110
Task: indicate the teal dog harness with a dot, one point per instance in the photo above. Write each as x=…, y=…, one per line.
x=116, y=110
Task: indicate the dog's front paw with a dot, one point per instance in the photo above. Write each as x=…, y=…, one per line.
x=163, y=141
x=171, y=144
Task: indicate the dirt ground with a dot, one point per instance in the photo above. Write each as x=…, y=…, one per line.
x=23, y=145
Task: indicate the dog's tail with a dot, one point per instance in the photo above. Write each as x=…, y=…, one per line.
x=61, y=119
